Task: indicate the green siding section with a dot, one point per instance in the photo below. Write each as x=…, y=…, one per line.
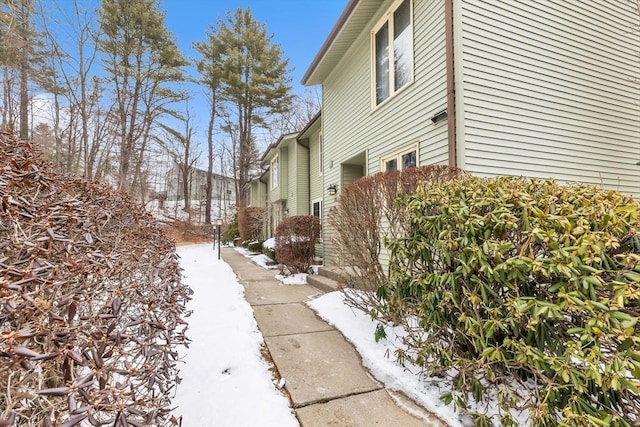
x=350, y=173
x=550, y=90
x=351, y=127
x=297, y=178
x=315, y=177
x=258, y=194
x=302, y=180
x=281, y=191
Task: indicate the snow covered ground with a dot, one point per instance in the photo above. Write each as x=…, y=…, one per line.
x=225, y=381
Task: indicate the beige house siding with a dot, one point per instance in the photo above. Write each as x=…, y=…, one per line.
x=549, y=89
x=298, y=200
x=280, y=192
x=315, y=178
x=257, y=193
x=351, y=127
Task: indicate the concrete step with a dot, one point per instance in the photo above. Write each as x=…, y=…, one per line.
x=341, y=275
x=323, y=283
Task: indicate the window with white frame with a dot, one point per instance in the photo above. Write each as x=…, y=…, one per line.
x=316, y=210
x=392, y=51
x=400, y=160
x=275, y=172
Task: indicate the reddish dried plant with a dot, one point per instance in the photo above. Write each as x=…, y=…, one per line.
x=91, y=301
x=296, y=238
x=251, y=223
x=367, y=215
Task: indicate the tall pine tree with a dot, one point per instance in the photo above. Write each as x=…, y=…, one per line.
x=141, y=59
x=255, y=83
x=209, y=68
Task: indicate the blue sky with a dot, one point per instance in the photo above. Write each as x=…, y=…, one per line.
x=298, y=26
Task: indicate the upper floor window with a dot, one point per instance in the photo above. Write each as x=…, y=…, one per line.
x=275, y=172
x=394, y=33
x=401, y=160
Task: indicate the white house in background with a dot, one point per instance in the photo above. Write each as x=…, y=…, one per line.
x=223, y=200
x=540, y=88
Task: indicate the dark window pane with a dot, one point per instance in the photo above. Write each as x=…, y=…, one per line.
x=382, y=63
x=409, y=160
x=391, y=165
x=402, y=49
x=316, y=209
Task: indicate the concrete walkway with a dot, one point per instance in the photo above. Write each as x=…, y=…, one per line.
x=324, y=377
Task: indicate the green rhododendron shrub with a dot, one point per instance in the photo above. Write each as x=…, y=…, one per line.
x=296, y=237
x=525, y=291
x=231, y=233
x=255, y=246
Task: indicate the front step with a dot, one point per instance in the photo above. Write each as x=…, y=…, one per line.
x=330, y=279
x=342, y=275
x=323, y=283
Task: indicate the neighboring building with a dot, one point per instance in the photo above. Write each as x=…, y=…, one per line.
x=287, y=180
x=223, y=199
x=291, y=183
x=311, y=137
x=539, y=88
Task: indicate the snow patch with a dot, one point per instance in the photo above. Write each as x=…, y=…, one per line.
x=294, y=279
x=223, y=372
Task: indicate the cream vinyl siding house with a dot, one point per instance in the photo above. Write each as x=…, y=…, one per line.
x=287, y=180
x=356, y=134
x=550, y=89
x=542, y=88
x=311, y=137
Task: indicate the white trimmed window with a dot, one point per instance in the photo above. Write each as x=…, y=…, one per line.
x=275, y=172
x=316, y=210
x=400, y=160
x=392, y=34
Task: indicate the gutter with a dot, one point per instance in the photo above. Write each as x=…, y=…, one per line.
x=330, y=39
x=451, y=91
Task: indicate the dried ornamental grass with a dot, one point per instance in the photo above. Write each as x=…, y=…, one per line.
x=366, y=216
x=91, y=302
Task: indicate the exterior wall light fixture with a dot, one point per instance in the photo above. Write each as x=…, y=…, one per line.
x=332, y=189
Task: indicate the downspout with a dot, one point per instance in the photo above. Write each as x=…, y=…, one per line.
x=451, y=91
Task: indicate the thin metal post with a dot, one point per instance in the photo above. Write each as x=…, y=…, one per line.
x=219, y=227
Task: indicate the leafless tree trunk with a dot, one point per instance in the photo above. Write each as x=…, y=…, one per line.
x=24, y=96
x=209, y=185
